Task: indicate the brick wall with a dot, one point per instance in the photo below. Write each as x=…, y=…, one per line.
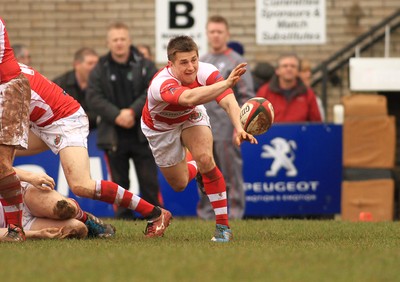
x=54, y=30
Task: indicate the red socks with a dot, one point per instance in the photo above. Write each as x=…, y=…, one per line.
x=80, y=215
x=110, y=192
x=215, y=187
x=192, y=166
x=11, y=199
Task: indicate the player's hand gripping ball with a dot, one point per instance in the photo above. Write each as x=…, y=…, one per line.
x=257, y=115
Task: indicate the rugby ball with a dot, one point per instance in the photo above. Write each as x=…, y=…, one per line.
x=257, y=115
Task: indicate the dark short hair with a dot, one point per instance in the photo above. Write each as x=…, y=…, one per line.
x=80, y=55
x=181, y=43
x=236, y=46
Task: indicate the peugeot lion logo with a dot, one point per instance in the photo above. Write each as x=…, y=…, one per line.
x=282, y=151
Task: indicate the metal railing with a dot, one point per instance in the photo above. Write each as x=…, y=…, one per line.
x=326, y=70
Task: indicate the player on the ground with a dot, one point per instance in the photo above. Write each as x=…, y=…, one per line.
x=45, y=207
x=58, y=122
x=174, y=118
x=14, y=102
x=47, y=214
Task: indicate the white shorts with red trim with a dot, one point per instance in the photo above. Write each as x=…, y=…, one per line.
x=70, y=131
x=167, y=146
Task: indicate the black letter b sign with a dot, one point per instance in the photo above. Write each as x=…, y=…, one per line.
x=179, y=15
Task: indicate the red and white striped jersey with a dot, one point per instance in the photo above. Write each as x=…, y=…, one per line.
x=162, y=111
x=9, y=68
x=49, y=102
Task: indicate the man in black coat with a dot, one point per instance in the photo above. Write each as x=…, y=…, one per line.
x=117, y=92
x=75, y=81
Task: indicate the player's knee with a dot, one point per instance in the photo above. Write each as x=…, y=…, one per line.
x=75, y=229
x=64, y=209
x=80, y=230
x=205, y=161
x=178, y=185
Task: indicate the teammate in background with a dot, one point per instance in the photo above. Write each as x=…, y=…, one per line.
x=117, y=93
x=75, y=81
x=174, y=119
x=22, y=54
x=145, y=50
x=15, y=95
x=293, y=101
x=59, y=123
x=227, y=156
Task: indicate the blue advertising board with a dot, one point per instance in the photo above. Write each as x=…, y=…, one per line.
x=296, y=169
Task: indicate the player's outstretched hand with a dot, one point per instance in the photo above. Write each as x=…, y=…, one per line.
x=242, y=136
x=236, y=73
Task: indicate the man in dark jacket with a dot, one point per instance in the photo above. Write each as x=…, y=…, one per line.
x=117, y=92
x=75, y=81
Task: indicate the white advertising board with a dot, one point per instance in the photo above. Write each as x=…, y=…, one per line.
x=375, y=74
x=290, y=22
x=188, y=17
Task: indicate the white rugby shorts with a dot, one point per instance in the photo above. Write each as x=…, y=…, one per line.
x=27, y=217
x=70, y=131
x=167, y=147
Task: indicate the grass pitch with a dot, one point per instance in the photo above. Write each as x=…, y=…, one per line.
x=262, y=250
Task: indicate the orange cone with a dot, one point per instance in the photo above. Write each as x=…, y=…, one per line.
x=365, y=216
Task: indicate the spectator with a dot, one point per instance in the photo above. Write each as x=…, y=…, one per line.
x=145, y=50
x=117, y=93
x=15, y=96
x=293, y=101
x=227, y=156
x=174, y=119
x=236, y=46
x=75, y=81
x=22, y=54
x=262, y=73
x=306, y=76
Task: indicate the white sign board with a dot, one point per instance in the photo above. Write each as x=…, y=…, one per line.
x=375, y=74
x=187, y=17
x=284, y=22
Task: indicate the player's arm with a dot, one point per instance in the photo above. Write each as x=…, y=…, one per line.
x=45, y=233
x=38, y=179
x=205, y=94
x=230, y=105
